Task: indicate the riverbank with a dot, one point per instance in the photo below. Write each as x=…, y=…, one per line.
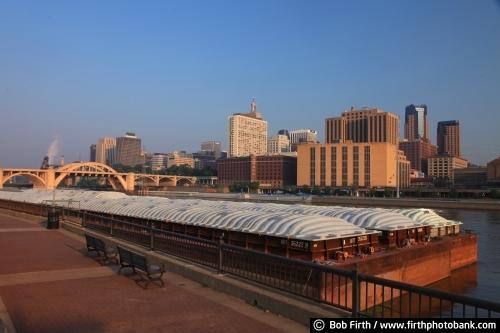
x=341, y=201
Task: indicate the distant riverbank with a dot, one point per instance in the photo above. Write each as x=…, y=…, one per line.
x=341, y=200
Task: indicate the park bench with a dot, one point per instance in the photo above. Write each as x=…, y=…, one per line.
x=141, y=266
x=105, y=253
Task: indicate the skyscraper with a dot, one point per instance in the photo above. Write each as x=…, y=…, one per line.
x=363, y=125
x=416, y=123
x=128, y=150
x=448, y=138
x=247, y=133
x=106, y=151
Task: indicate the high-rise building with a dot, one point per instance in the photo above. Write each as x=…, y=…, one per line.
x=448, y=138
x=106, y=151
x=278, y=144
x=303, y=135
x=247, y=133
x=417, y=152
x=212, y=147
x=128, y=150
x=92, y=152
x=416, y=123
x=349, y=164
x=363, y=125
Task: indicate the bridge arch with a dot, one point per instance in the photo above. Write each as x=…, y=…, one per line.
x=140, y=177
x=181, y=181
x=90, y=167
x=35, y=179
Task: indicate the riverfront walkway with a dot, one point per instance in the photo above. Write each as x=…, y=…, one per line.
x=48, y=284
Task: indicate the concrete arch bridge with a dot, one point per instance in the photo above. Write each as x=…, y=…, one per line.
x=52, y=178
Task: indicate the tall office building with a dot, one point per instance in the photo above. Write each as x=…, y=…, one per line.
x=363, y=125
x=278, y=144
x=416, y=123
x=106, y=151
x=92, y=152
x=448, y=138
x=247, y=133
x=128, y=150
x=303, y=135
x=211, y=148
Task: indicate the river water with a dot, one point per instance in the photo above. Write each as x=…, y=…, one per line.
x=482, y=279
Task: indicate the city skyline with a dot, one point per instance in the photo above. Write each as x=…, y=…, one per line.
x=175, y=75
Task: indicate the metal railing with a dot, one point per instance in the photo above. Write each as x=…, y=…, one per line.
x=360, y=294
x=317, y=282
x=388, y=298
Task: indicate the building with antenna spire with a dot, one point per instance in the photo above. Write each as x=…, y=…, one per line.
x=247, y=133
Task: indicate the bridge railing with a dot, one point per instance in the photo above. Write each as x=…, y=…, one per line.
x=360, y=294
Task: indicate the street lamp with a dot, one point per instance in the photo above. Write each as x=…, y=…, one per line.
x=397, y=174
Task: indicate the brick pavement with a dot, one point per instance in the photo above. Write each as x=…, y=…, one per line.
x=48, y=285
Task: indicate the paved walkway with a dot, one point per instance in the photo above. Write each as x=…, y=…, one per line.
x=48, y=284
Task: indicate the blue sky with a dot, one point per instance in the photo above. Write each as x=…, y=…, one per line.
x=173, y=71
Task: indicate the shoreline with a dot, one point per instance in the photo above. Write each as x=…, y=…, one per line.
x=342, y=201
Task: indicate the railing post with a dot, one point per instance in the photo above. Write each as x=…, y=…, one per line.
x=111, y=227
x=221, y=241
x=355, y=292
x=83, y=219
x=152, y=238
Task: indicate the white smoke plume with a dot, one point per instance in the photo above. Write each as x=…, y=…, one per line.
x=53, y=151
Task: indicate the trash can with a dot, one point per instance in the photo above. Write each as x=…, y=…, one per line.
x=53, y=219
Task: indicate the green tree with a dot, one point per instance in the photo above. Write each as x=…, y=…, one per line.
x=305, y=189
x=180, y=170
x=495, y=194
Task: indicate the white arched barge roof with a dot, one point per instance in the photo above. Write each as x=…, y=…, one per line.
x=156, y=207
x=367, y=218
x=370, y=218
x=200, y=213
x=427, y=217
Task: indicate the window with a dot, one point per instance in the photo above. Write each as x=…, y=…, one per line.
x=344, y=166
x=322, y=171
x=312, y=171
x=367, y=167
x=355, y=153
x=333, y=166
